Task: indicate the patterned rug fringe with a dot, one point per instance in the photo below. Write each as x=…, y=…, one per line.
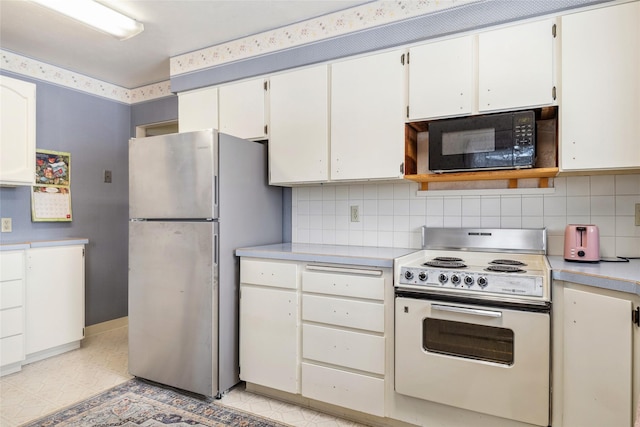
x=141, y=403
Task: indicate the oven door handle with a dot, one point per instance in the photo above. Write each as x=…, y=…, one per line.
x=464, y=310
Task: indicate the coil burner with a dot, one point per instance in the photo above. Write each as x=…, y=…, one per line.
x=507, y=262
x=505, y=269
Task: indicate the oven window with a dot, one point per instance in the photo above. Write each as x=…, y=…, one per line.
x=468, y=340
x=469, y=141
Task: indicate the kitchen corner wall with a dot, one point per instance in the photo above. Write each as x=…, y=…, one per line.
x=391, y=214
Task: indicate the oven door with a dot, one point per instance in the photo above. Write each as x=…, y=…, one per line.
x=484, y=359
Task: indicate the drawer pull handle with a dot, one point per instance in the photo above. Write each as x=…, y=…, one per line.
x=363, y=272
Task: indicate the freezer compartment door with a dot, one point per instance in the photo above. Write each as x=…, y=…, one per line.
x=174, y=176
x=173, y=292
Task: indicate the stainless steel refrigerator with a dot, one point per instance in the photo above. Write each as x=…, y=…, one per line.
x=193, y=199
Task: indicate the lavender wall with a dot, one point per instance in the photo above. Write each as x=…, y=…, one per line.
x=96, y=132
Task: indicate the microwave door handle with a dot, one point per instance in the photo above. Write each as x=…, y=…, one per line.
x=464, y=310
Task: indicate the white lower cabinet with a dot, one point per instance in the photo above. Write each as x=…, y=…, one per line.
x=41, y=303
x=343, y=340
x=54, y=300
x=12, y=272
x=316, y=331
x=351, y=390
x=269, y=324
x=595, y=380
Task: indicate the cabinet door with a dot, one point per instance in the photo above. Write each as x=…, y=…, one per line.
x=597, y=360
x=600, y=92
x=299, y=130
x=515, y=66
x=441, y=79
x=55, y=297
x=269, y=343
x=198, y=109
x=242, y=109
x=17, y=131
x=367, y=117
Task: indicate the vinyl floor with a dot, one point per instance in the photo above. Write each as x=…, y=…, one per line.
x=100, y=363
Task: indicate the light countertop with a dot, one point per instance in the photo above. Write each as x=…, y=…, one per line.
x=16, y=246
x=335, y=254
x=617, y=276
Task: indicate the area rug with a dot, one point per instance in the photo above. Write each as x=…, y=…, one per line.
x=138, y=403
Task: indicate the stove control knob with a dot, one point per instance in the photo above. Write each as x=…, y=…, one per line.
x=408, y=275
x=482, y=282
x=422, y=276
x=455, y=279
x=468, y=280
x=442, y=278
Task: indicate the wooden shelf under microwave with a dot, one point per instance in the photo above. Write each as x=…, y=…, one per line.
x=543, y=175
x=546, y=165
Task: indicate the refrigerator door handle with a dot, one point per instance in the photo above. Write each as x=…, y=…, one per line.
x=215, y=249
x=215, y=196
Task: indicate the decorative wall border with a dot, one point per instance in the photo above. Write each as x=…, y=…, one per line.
x=51, y=74
x=335, y=24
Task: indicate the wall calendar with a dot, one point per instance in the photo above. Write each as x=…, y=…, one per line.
x=51, y=194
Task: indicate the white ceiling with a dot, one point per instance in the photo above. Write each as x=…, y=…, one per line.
x=172, y=27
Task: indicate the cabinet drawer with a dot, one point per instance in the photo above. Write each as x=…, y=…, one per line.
x=11, y=294
x=342, y=312
x=11, y=266
x=11, y=322
x=346, y=389
x=349, y=285
x=345, y=348
x=266, y=273
x=11, y=350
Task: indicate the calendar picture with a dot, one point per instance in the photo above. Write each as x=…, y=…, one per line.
x=53, y=168
x=51, y=195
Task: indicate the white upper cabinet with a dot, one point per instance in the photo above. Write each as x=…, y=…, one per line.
x=367, y=117
x=441, y=79
x=17, y=131
x=505, y=69
x=242, y=109
x=198, y=109
x=515, y=66
x=299, y=126
x=600, y=91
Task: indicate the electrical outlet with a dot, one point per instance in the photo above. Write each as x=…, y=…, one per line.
x=638, y=214
x=355, y=213
x=6, y=225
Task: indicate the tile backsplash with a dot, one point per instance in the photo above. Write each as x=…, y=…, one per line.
x=390, y=215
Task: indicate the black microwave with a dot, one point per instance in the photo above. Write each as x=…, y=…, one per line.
x=497, y=141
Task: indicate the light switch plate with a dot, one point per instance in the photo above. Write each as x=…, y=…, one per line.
x=107, y=176
x=638, y=214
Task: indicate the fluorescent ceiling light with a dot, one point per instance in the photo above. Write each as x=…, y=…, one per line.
x=96, y=15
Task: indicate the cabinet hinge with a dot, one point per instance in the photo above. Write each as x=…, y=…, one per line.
x=83, y=252
x=553, y=93
x=635, y=316
x=402, y=59
x=266, y=128
x=408, y=57
x=554, y=30
x=83, y=332
x=402, y=168
x=266, y=85
x=407, y=111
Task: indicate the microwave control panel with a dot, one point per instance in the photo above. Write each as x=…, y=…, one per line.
x=523, y=132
